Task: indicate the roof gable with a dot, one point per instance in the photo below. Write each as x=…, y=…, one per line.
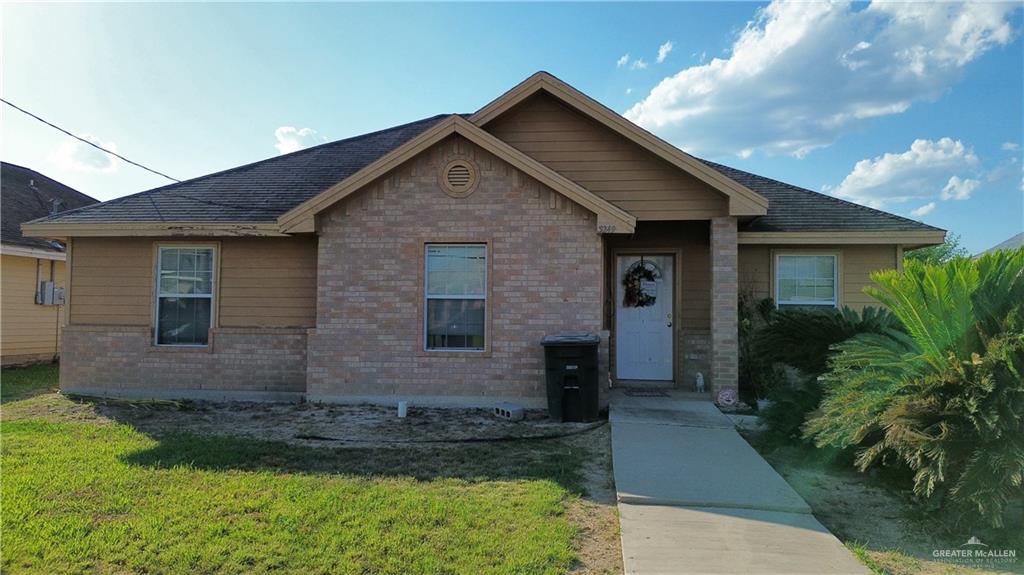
x=610, y=219
x=606, y=163
x=742, y=200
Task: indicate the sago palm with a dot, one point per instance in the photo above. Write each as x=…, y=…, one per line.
x=946, y=397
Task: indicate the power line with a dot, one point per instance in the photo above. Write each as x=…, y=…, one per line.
x=101, y=148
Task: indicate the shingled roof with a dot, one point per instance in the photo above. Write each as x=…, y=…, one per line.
x=795, y=209
x=257, y=192
x=26, y=195
x=262, y=191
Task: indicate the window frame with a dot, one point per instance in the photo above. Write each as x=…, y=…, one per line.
x=836, y=302
x=484, y=297
x=212, y=296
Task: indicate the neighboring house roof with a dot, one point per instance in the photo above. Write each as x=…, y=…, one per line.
x=26, y=195
x=1010, y=244
x=279, y=195
x=795, y=209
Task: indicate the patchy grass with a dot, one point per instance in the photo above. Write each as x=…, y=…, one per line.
x=21, y=382
x=871, y=515
x=83, y=492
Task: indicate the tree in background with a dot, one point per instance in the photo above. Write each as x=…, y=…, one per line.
x=940, y=254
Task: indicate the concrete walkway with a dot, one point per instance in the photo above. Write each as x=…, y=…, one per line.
x=694, y=497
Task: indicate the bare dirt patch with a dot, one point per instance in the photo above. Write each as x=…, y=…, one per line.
x=596, y=516
x=305, y=424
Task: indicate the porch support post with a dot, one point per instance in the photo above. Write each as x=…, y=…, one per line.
x=724, y=302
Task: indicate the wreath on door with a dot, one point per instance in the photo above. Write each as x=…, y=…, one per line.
x=634, y=294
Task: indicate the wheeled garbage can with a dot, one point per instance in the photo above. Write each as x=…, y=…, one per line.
x=570, y=365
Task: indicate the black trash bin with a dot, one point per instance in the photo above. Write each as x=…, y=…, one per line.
x=570, y=364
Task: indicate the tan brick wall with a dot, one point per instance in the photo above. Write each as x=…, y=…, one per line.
x=544, y=277
x=241, y=363
x=724, y=294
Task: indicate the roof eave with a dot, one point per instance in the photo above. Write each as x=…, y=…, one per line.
x=9, y=249
x=64, y=230
x=908, y=238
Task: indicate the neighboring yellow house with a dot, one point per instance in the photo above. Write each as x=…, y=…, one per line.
x=31, y=270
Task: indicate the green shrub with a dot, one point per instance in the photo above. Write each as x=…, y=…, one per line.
x=802, y=339
x=757, y=376
x=946, y=398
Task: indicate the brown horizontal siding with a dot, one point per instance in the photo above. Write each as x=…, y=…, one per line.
x=115, y=276
x=857, y=262
x=264, y=282
x=606, y=163
x=28, y=331
x=287, y=267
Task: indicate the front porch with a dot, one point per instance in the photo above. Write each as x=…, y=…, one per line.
x=670, y=299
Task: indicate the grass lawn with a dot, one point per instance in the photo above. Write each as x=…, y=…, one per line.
x=101, y=496
x=18, y=382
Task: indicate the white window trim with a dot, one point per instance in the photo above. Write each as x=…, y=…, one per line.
x=157, y=293
x=818, y=303
x=427, y=297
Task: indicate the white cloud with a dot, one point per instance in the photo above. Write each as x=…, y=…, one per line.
x=622, y=61
x=923, y=210
x=803, y=73
x=923, y=172
x=1011, y=146
x=629, y=91
x=290, y=139
x=959, y=189
x=638, y=64
x=663, y=51
x=76, y=156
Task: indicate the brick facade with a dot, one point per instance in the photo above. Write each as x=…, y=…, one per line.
x=241, y=363
x=724, y=312
x=544, y=276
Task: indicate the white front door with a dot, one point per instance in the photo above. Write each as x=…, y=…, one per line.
x=643, y=317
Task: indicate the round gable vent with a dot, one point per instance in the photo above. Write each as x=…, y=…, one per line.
x=459, y=178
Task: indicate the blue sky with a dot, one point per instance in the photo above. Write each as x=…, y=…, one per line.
x=914, y=108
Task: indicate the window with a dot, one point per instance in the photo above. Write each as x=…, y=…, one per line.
x=805, y=280
x=456, y=284
x=184, y=295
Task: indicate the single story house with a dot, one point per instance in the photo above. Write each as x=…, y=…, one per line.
x=31, y=269
x=426, y=262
